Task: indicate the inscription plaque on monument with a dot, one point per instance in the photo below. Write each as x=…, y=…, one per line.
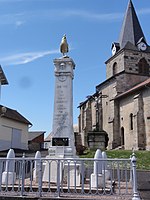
x=60, y=142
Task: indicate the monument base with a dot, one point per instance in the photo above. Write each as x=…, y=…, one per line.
x=51, y=171
x=72, y=174
x=97, y=140
x=61, y=151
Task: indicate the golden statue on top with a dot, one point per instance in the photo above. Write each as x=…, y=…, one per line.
x=64, y=46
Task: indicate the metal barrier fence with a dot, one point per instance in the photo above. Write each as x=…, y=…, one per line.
x=68, y=177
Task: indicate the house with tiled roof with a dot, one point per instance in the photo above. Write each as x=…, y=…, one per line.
x=13, y=129
x=121, y=104
x=13, y=125
x=36, y=140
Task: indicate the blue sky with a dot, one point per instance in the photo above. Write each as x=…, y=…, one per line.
x=30, y=34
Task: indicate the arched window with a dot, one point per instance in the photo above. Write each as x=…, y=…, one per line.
x=114, y=68
x=143, y=67
x=122, y=136
x=131, y=121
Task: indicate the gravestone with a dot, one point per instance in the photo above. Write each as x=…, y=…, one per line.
x=9, y=175
x=105, y=170
x=37, y=167
x=97, y=176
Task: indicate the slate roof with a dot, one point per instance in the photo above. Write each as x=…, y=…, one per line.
x=13, y=115
x=131, y=30
x=3, y=79
x=34, y=134
x=139, y=86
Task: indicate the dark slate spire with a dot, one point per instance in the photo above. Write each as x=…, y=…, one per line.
x=131, y=30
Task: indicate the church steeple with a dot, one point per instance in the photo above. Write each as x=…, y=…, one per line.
x=131, y=40
x=131, y=30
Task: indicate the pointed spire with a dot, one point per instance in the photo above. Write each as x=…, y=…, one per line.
x=131, y=30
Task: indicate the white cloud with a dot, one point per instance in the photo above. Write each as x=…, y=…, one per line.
x=20, y=18
x=144, y=11
x=19, y=23
x=65, y=13
x=94, y=16
x=16, y=19
x=24, y=58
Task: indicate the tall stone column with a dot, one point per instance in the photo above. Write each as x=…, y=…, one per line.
x=62, y=133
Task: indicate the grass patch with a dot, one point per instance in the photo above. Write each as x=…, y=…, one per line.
x=143, y=157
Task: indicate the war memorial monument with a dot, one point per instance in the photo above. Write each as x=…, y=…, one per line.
x=62, y=141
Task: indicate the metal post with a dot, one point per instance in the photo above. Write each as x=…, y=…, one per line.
x=40, y=177
x=131, y=170
x=23, y=174
x=58, y=178
x=134, y=179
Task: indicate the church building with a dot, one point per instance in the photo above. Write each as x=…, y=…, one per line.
x=121, y=104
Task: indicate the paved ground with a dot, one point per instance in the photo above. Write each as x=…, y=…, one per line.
x=66, y=198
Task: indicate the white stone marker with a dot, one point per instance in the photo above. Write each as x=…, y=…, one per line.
x=9, y=175
x=37, y=167
x=97, y=176
x=105, y=171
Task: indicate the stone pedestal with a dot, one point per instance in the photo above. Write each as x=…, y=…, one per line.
x=96, y=140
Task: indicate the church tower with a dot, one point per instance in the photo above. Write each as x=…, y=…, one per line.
x=128, y=66
x=124, y=96
x=131, y=54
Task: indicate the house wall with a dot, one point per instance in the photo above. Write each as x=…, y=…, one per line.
x=7, y=141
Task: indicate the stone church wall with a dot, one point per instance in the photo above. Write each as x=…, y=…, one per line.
x=108, y=110
x=146, y=100
x=126, y=108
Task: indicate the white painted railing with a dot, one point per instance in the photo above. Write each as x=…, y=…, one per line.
x=68, y=177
